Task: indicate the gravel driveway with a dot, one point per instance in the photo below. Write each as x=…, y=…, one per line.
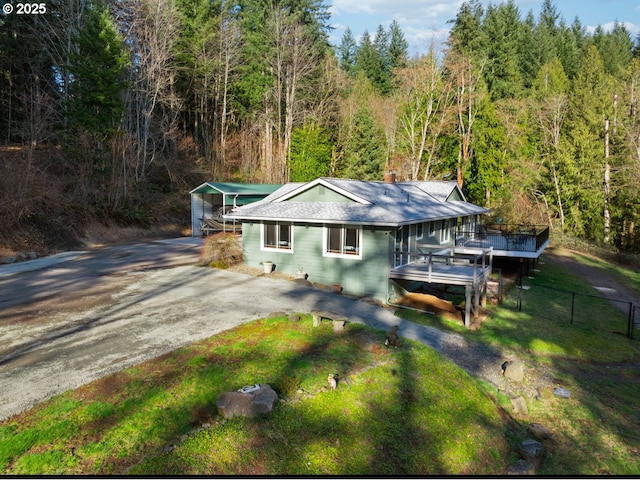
x=72, y=319
x=49, y=346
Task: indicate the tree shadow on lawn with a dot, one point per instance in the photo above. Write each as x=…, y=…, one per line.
x=373, y=423
x=595, y=429
x=382, y=419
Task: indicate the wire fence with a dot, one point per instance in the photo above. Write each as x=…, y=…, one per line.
x=577, y=309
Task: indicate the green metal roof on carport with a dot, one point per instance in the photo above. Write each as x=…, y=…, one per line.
x=243, y=192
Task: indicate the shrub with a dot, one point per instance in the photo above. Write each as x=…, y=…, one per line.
x=221, y=250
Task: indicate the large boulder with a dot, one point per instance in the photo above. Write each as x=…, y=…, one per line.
x=513, y=370
x=247, y=404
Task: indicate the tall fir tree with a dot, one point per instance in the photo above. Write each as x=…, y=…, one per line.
x=99, y=73
x=467, y=36
x=347, y=52
x=528, y=60
x=616, y=49
x=502, y=73
x=398, y=47
x=311, y=151
x=591, y=102
x=364, y=151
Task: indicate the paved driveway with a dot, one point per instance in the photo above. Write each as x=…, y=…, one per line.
x=81, y=317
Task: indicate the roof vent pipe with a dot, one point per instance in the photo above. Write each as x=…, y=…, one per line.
x=390, y=177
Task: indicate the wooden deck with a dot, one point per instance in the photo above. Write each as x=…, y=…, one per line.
x=469, y=267
x=515, y=241
x=452, y=266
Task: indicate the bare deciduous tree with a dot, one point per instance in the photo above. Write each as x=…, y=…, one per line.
x=467, y=77
x=428, y=98
x=152, y=103
x=294, y=58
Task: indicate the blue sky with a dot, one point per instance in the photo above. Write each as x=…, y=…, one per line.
x=424, y=21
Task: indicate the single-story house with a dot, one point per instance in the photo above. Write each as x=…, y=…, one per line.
x=211, y=200
x=363, y=235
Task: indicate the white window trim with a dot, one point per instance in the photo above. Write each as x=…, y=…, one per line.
x=445, y=232
x=419, y=231
x=325, y=241
x=264, y=248
x=432, y=229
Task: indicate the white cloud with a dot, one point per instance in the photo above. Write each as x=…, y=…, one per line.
x=418, y=10
x=420, y=40
x=422, y=21
x=607, y=27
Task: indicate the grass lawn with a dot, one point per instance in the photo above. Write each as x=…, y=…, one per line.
x=398, y=411
x=406, y=411
x=596, y=429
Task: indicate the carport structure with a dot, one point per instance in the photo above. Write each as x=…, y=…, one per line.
x=211, y=200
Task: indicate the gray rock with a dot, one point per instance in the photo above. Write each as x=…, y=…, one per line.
x=522, y=467
x=520, y=406
x=532, y=451
x=540, y=432
x=248, y=404
x=561, y=392
x=294, y=317
x=8, y=260
x=514, y=371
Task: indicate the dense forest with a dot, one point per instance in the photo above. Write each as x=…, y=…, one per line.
x=115, y=109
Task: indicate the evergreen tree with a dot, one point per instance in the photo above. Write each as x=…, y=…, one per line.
x=528, y=60
x=546, y=33
x=467, y=36
x=616, y=49
x=398, y=47
x=311, y=151
x=364, y=151
x=569, y=50
x=380, y=75
x=487, y=165
x=590, y=104
x=502, y=73
x=347, y=52
x=99, y=76
x=368, y=60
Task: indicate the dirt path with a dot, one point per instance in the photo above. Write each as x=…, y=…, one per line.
x=606, y=284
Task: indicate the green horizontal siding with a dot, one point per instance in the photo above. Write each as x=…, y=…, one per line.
x=359, y=276
x=320, y=193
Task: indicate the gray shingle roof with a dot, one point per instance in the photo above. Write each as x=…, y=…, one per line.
x=375, y=203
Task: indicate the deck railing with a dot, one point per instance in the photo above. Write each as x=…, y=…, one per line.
x=519, y=238
x=480, y=260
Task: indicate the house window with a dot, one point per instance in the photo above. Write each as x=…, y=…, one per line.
x=444, y=232
x=419, y=231
x=342, y=240
x=432, y=229
x=277, y=236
